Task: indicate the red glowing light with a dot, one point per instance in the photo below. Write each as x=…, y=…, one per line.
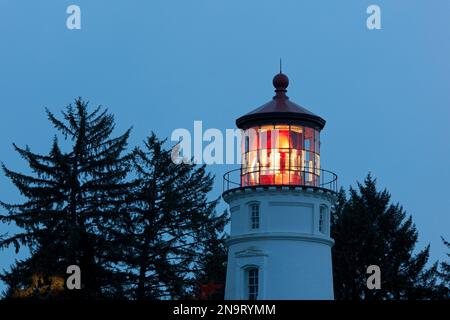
x=280, y=155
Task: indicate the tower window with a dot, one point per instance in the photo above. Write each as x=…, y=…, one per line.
x=252, y=277
x=322, y=219
x=254, y=216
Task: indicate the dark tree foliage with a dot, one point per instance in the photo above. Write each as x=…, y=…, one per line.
x=211, y=274
x=369, y=230
x=71, y=201
x=169, y=226
x=444, y=273
x=445, y=266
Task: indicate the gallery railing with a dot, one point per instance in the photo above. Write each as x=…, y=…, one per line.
x=292, y=177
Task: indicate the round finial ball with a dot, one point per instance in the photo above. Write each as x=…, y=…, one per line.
x=280, y=81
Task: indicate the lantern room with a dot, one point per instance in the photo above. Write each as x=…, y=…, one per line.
x=281, y=142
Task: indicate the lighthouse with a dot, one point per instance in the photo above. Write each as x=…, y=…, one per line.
x=280, y=201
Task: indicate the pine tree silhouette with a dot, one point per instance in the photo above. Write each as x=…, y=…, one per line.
x=369, y=230
x=169, y=224
x=71, y=201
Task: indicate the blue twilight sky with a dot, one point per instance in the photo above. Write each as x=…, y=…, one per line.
x=161, y=64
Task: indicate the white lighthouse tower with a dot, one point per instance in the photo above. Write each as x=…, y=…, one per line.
x=280, y=202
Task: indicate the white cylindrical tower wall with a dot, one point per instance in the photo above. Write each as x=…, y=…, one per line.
x=291, y=248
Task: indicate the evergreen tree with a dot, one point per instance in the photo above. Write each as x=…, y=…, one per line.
x=168, y=224
x=72, y=199
x=211, y=274
x=369, y=230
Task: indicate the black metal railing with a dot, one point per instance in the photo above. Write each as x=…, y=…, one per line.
x=319, y=178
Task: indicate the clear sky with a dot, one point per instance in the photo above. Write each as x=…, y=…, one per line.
x=161, y=64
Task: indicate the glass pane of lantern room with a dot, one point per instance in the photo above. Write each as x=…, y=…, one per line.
x=250, y=140
x=308, y=160
x=281, y=133
x=295, y=159
x=309, y=167
x=253, y=167
x=284, y=165
x=282, y=144
x=309, y=139
x=317, y=141
x=267, y=172
x=317, y=164
x=266, y=155
x=296, y=137
x=253, y=134
x=245, y=143
x=245, y=163
x=265, y=137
